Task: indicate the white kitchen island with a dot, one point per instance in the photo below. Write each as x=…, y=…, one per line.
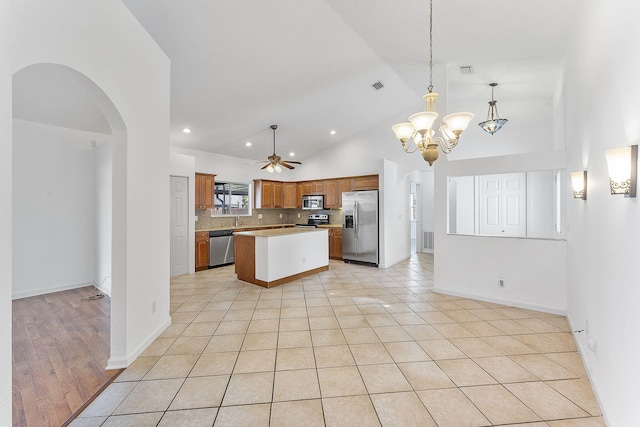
x=272, y=257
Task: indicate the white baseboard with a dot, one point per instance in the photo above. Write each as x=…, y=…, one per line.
x=389, y=264
x=44, y=291
x=104, y=286
x=587, y=367
x=519, y=304
x=123, y=362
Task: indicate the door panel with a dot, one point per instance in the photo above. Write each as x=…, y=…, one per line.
x=367, y=231
x=490, y=205
x=179, y=225
x=514, y=205
x=348, y=227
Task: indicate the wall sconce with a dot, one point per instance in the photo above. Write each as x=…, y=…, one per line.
x=623, y=165
x=579, y=185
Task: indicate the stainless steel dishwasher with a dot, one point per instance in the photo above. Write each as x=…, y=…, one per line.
x=220, y=247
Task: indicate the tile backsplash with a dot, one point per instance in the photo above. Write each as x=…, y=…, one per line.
x=269, y=217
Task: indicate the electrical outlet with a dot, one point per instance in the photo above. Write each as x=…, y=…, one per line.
x=259, y=216
x=153, y=307
x=298, y=215
x=501, y=280
x=280, y=216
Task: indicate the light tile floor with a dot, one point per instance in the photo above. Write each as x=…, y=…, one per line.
x=350, y=346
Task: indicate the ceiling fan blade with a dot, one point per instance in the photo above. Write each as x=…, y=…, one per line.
x=286, y=165
x=291, y=161
x=265, y=166
x=257, y=161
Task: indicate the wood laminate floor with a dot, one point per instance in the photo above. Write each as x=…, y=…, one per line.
x=60, y=351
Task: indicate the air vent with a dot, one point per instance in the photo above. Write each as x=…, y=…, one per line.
x=466, y=69
x=377, y=85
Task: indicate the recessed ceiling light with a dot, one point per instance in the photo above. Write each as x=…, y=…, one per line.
x=292, y=154
x=333, y=132
x=247, y=144
x=186, y=130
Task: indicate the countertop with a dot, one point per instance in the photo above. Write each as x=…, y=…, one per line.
x=278, y=232
x=244, y=227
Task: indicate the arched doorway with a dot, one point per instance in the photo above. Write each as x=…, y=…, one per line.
x=67, y=194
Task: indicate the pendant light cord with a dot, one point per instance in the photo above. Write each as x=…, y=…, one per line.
x=430, y=46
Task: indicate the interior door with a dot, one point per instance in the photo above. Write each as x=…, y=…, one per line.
x=179, y=225
x=515, y=204
x=503, y=205
x=491, y=205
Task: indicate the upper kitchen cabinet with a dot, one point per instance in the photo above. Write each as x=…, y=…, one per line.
x=291, y=191
x=344, y=186
x=267, y=194
x=204, y=190
x=312, y=187
x=332, y=196
x=367, y=182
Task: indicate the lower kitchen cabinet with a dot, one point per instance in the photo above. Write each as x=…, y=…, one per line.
x=202, y=250
x=335, y=242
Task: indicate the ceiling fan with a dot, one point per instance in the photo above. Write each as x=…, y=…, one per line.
x=274, y=162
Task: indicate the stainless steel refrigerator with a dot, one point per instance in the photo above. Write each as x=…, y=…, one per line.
x=360, y=227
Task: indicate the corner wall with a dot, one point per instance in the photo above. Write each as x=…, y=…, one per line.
x=599, y=102
x=53, y=209
x=104, y=43
x=535, y=270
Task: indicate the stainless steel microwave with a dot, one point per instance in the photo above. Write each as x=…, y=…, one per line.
x=313, y=202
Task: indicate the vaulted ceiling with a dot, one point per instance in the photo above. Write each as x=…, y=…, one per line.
x=238, y=66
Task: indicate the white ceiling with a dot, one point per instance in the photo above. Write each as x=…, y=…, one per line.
x=238, y=66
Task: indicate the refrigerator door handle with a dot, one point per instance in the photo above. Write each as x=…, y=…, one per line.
x=355, y=219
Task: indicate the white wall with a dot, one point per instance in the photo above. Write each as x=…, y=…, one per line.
x=103, y=164
x=599, y=101
x=534, y=270
x=128, y=75
x=53, y=228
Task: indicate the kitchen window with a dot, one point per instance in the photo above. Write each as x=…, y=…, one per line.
x=231, y=199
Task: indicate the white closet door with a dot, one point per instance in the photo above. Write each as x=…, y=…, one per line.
x=179, y=226
x=503, y=203
x=514, y=195
x=491, y=205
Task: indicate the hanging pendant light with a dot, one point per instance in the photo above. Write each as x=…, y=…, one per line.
x=493, y=123
x=419, y=131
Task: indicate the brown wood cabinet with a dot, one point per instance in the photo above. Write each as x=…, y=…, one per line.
x=277, y=194
x=335, y=243
x=368, y=182
x=202, y=250
x=267, y=194
x=307, y=188
x=331, y=194
x=204, y=190
x=290, y=195
x=344, y=186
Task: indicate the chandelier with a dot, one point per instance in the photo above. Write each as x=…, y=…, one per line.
x=493, y=122
x=418, y=133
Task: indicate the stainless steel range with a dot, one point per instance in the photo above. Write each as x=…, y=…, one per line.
x=313, y=220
